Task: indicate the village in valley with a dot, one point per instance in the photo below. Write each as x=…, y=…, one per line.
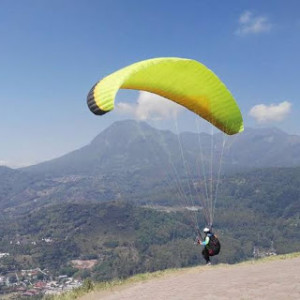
x=34, y=282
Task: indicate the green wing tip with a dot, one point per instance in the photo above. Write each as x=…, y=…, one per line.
x=234, y=131
x=241, y=128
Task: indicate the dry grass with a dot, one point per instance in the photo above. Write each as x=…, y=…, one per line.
x=104, y=286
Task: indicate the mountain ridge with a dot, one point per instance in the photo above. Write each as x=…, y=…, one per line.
x=131, y=140
x=133, y=160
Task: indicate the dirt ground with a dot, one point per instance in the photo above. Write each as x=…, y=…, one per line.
x=83, y=264
x=278, y=279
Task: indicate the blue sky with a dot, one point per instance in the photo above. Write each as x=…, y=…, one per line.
x=52, y=52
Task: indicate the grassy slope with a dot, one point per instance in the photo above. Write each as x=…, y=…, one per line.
x=100, y=287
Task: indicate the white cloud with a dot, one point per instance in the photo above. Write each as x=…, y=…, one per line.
x=14, y=165
x=150, y=107
x=251, y=24
x=270, y=113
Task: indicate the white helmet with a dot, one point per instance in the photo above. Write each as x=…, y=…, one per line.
x=206, y=230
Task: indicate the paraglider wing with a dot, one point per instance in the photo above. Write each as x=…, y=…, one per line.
x=185, y=81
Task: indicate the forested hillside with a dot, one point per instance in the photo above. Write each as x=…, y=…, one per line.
x=255, y=209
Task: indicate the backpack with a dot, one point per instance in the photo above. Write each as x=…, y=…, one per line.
x=214, y=245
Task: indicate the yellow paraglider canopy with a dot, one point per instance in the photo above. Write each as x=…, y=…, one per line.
x=185, y=81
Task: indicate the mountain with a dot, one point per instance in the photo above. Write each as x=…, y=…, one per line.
x=14, y=185
x=265, y=147
x=126, y=145
x=129, y=146
x=134, y=161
